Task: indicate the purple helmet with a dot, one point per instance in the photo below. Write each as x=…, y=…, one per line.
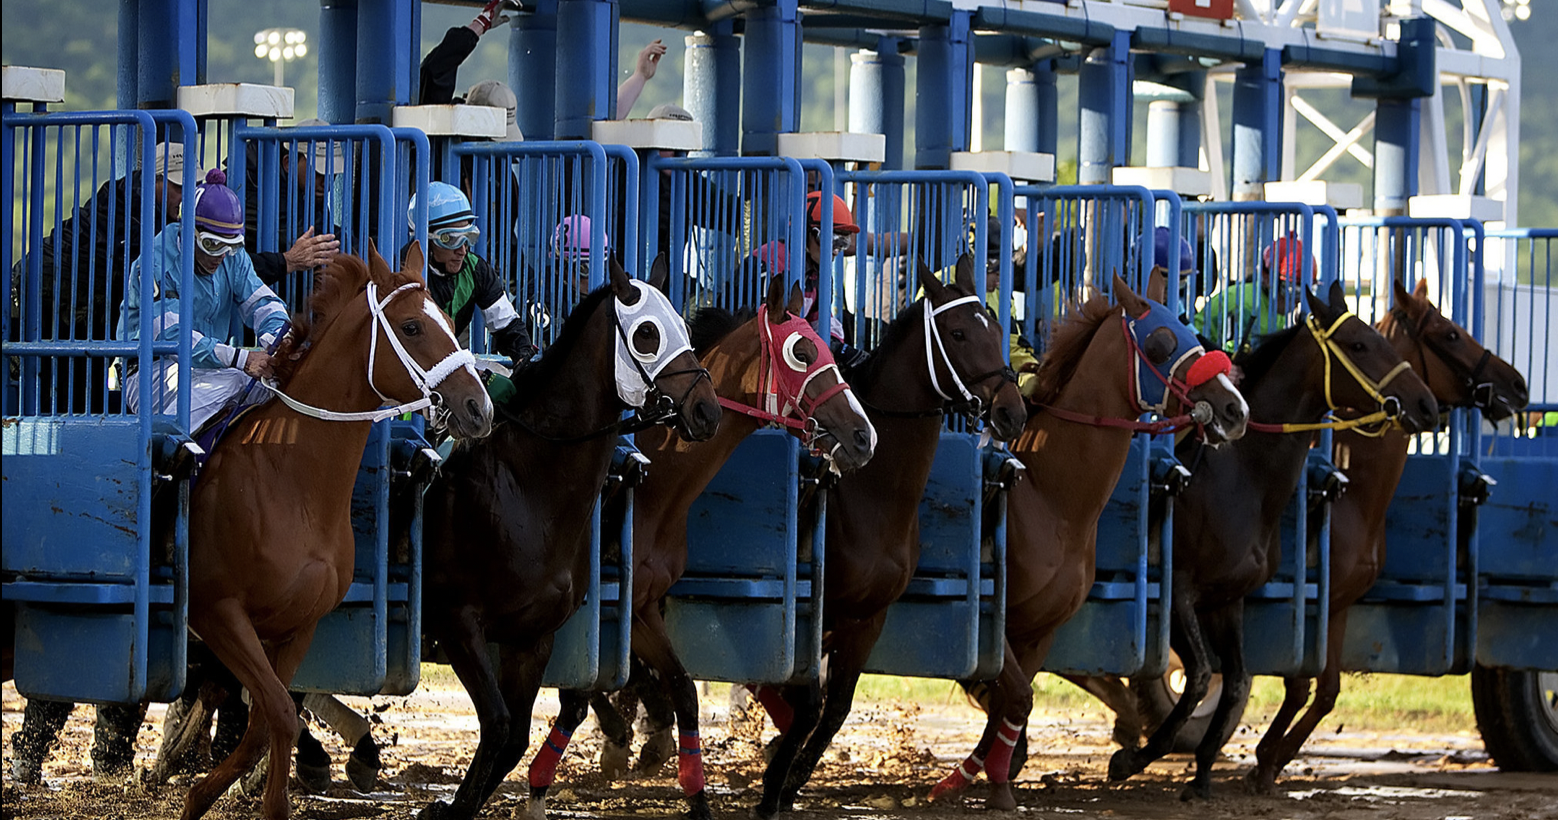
x=571, y=237
x=217, y=209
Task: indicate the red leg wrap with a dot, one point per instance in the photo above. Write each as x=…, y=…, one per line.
x=689, y=763
x=961, y=778
x=544, y=767
x=778, y=709
x=999, y=766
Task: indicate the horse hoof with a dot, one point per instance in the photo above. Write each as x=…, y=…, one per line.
x=1001, y=798
x=614, y=760
x=362, y=767
x=1261, y=781
x=1122, y=764
x=1196, y=790
x=657, y=749
x=535, y=807
x=437, y=810
x=948, y=794
x=698, y=806
x=314, y=779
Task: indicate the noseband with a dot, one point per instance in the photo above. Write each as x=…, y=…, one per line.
x=1483, y=395
x=1372, y=425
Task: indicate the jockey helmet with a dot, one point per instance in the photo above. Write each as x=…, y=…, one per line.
x=1162, y=256
x=1287, y=256
x=843, y=220
x=571, y=237
x=218, y=210
x=446, y=206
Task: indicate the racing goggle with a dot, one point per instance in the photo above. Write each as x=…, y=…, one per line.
x=840, y=240
x=217, y=245
x=453, y=239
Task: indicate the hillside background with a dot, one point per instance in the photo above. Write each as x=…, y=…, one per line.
x=80, y=38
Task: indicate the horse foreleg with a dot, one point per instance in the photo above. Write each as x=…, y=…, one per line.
x=618, y=731
x=852, y=643
x=464, y=641
x=805, y=705
x=362, y=767
x=519, y=679
x=1008, y=700
x=574, y=707
x=286, y=657
x=228, y=632
x=659, y=697
x=1283, y=748
x=1295, y=694
x=1118, y=697
x=653, y=645
x=1187, y=639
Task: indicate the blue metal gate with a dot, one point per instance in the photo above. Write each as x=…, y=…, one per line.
x=101, y=601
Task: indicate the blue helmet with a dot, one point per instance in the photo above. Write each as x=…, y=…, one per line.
x=1161, y=253
x=446, y=205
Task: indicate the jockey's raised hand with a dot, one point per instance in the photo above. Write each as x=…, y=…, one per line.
x=312, y=250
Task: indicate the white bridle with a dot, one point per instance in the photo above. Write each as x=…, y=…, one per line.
x=933, y=343
x=426, y=380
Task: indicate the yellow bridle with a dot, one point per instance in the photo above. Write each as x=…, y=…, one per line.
x=1384, y=418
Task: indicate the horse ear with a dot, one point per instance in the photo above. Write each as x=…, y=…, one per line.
x=1317, y=306
x=1157, y=286
x=414, y=262
x=928, y=281
x=660, y=274
x=1338, y=297
x=621, y=283
x=1421, y=289
x=1404, y=300
x=964, y=274
x=781, y=299
x=377, y=267
x=1127, y=298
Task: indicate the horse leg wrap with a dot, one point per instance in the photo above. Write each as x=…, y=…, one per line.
x=778, y=709
x=961, y=778
x=999, y=765
x=544, y=767
x=689, y=763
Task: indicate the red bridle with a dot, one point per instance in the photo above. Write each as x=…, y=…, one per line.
x=783, y=378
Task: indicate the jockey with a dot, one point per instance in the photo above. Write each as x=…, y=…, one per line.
x=226, y=290
x=1023, y=358
x=1235, y=315
x=463, y=281
x=571, y=248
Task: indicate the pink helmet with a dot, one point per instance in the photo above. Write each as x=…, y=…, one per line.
x=571, y=237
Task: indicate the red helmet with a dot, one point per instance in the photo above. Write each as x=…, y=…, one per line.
x=843, y=220
x=1286, y=255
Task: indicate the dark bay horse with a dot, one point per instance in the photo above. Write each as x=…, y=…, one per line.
x=775, y=354
x=873, y=513
x=1227, y=532
x=1072, y=467
x=1461, y=373
x=270, y=531
x=508, y=521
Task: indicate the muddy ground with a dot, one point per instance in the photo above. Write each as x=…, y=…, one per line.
x=888, y=756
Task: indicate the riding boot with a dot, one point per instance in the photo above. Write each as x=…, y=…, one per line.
x=41, y=725
x=113, y=738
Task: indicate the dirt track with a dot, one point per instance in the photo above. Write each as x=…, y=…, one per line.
x=888, y=757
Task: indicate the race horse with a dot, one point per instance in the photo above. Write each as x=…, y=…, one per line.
x=1095, y=381
x=1227, y=520
x=270, y=532
x=1461, y=373
x=943, y=348
x=507, y=521
x=775, y=355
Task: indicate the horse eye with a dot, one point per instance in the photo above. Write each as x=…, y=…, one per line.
x=410, y=328
x=1453, y=336
x=1357, y=347
x=958, y=335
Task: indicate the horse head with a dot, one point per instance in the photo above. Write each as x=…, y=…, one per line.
x=1172, y=366
x=422, y=358
x=1460, y=371
x=965, y=350
x=1362, y=369
x=807, y=378
x=655, y=361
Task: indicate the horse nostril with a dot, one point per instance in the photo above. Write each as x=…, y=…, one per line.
x=473, y=409
x=862, y=440
x=1422, y=404
x=705, y=413
x=1233, y=411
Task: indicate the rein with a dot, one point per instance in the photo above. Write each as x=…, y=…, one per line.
x=1374, y=424
x=425, y=380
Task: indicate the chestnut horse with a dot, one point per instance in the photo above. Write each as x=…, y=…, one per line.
x=944, y=339
x=1227, y=521
x=508, y=521
x=1461, y=373
x=270, y=530
x=1072, y=466
x=775, y=354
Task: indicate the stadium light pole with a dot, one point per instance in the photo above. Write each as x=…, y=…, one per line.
x=280, y=46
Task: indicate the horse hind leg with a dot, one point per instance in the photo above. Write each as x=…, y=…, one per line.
x=1118, y=697
x=1284, y=748
x=1188, y=640
x=1262, y=778
x=363, y=764
x=1226, y=628
x=615, y=751
x=574, y=708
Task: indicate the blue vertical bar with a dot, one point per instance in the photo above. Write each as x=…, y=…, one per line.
x=168, y=51
x=1103, y=135
x=129, y=54
x=943, y=110
x=770, y=77
x=1257, y=126
x=533, y=70
x=585, y=91
x=1397, y=130
x=337, y=52
x=1046, y=107
x=1190, y=136
x=387, y=56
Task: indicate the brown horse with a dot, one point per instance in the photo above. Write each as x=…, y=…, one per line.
x=1227, y=532
x=270, y=531
x=873, y=513
x=736, y=356
x=1461, y=373
x=508, y=521
x=1072, y=467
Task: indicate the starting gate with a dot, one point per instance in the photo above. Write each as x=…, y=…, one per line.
x=100, y=595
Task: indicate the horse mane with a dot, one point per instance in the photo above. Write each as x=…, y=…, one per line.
x=897, y=330
x=1259, y=360
x=710, y=325
x=529, y=381
x=1068, y=341
x=334, y=287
